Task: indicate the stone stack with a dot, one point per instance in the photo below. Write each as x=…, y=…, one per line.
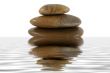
x=56, y=35
x=55, y=27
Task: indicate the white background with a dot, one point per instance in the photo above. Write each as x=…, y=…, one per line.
x=16, y=14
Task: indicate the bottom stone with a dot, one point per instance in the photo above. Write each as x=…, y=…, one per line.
x=64, y=41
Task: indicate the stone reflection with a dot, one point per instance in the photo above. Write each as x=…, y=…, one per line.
x=55, y=57
x=53, y=64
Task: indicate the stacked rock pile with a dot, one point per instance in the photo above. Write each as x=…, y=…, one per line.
x=55, y=27
x=56, y=35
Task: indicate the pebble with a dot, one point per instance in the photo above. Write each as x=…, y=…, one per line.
x=67, y=40
x=56, y=21
x=76, y=31
x=53, y=9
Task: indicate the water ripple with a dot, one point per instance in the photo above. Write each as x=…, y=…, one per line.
x=16, y=58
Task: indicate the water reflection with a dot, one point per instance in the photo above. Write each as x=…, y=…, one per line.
x=53, y=64
x=55, y=57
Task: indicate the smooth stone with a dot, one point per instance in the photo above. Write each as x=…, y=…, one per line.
x=55, y=52
x=52, y=9
x=76, y=31
x=67, y=40
x=56, y=21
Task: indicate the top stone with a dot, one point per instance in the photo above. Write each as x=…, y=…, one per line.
x=53, y=9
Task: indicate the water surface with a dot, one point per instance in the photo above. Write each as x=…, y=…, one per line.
x=93, y=57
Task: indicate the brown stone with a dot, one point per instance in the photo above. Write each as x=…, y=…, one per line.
x=76, y=31
x=56, y=21
x=52, y=9
x=68, y=36
x=67, y=40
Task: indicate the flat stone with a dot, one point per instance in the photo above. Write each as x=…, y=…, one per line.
x=53, y=9
x=68, y=36
x=56, y=21
x=55, y=52
x=67, y=40
x=62, y=32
